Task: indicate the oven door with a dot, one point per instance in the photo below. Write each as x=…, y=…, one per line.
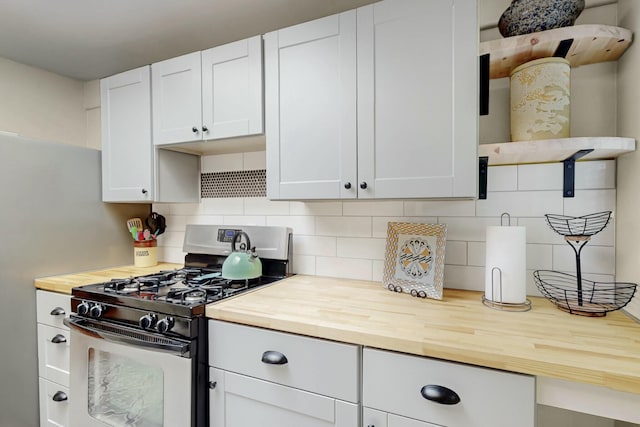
x=120, y=376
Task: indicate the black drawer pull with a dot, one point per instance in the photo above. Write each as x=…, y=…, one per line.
x=60, y=396
x=440, y=394
x=58, y=311
x=58, y=339
x=274, y=358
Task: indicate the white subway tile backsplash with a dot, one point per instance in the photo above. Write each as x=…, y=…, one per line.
x=348, y=238
x=539, y=257
x=244, y=220
x=455, y=253
x=372, y=208
x=470, y=229
x=361, y=248
x=464, y=277
x=254, y=160
x=222, y=163
x=502, y=178
x=348, y=268
x=521, y=203
x=378, y=271
x=263, y=206
x=594, y=259
x=599, y=174
x=204, y=219
x=439, y=208
x=316, y=208
x=380, y=225
x=301, y=225
x=590, y=201
x=477, y=253
x=341, y=226
x=539, y=177
x=315, y=245
x=304, y=264
x=223, y=206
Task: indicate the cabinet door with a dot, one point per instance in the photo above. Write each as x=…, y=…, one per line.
x=417, y=98
x=240, y=401
x=310, y=90
x=127, y=151
x=375, y=418
x=54, y=404
x=177, y=100
x=232, y=89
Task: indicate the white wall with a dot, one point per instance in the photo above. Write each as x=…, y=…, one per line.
x=37, y=104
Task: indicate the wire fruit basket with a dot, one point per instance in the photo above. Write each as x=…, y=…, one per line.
x=573, y=293
x=593, y=299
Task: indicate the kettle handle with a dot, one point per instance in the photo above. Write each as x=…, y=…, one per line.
x=237, y=237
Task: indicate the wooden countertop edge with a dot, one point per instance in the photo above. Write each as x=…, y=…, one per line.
x=541, y=363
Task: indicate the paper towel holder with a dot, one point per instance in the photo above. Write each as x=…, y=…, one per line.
x=499, y=305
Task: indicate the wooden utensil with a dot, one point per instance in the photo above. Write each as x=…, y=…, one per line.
x=133, y=225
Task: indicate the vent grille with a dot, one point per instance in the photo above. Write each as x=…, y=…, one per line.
x=252, y=183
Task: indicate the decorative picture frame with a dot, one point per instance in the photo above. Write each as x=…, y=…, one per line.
x=414, y=259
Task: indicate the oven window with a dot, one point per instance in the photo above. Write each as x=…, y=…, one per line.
x=123, y=391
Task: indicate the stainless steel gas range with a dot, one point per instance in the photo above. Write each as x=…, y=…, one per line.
x=139, y=344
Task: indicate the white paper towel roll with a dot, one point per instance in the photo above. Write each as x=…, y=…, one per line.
x=506, y=250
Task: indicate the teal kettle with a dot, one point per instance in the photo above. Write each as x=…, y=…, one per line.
x=242, y=264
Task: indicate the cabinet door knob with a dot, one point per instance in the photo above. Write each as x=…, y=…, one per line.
x=58, y=311
x=205, y=129
x=60, y=396
x=194, y=129
x=274, y=358
x=347, y=185
x=144, y=191
x=363, y=185
x=440, y=394
x=59, y=339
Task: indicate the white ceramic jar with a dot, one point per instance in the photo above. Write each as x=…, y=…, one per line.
x=540, y=100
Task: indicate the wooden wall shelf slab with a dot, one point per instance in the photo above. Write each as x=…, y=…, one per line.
x=591, y=44
x=555, y=150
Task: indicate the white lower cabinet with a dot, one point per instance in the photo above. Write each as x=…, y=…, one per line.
x=274, y=379
x=400, y=390
x=53, y=357
x=241, y=401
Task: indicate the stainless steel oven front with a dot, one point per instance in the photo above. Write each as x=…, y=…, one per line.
x=124, y=376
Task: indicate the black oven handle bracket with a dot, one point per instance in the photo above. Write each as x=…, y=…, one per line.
x=128, y=336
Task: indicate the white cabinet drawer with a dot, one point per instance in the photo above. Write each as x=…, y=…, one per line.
x=53, y=354
x=54, y=404
x=52, y=308
x=315, y=365
x=394, y=383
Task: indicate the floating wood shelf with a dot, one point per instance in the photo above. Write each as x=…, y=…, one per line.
x=579, y=44
x=555, y=150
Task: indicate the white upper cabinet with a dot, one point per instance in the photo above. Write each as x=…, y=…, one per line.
x=417, y=98
x=310, y=74
x=207, y=95
x=389, y=113
x=127, y=152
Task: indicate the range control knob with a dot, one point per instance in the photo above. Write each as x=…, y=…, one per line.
x=97, y=310
x=83, y=308
x=148, y=321
x=165, y=325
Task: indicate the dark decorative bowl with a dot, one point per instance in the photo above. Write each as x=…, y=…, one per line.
x=529, y=16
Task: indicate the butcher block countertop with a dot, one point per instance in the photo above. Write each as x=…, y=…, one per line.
x=544, y=342
x=65, y=283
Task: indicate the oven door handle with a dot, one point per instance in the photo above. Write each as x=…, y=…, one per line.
x=129, y=336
